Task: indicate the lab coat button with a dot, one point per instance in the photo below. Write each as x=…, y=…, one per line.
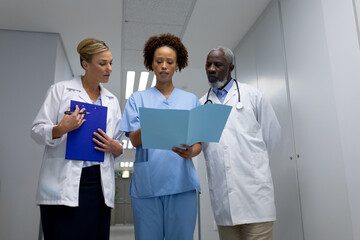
x=225, y=147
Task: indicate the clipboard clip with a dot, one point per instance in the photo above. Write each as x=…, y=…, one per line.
x=71, y=112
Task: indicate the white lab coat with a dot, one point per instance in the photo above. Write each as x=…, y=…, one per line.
x=239, y=176
x=59, y=179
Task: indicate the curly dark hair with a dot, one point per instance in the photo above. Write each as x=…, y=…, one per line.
x=165, y=39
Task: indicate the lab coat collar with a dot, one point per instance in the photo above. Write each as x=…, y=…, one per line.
x=214, y=98
x=232, y=93
x=106, y=96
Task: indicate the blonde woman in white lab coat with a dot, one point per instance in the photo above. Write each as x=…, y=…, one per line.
x=240, y=182
x=75, y=197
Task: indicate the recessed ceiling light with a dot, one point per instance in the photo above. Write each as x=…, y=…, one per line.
x=143, y=80
x=153, y=81
x=130, y=79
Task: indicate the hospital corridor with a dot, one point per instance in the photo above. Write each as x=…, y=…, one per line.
x=302, y=56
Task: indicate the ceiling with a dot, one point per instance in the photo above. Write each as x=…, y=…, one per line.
x=125, y=25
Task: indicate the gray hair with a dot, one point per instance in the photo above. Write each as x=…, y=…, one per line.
x=229, y=55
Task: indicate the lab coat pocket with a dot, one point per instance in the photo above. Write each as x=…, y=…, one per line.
x=260, y=162
x=141, y=185
x=245, y=120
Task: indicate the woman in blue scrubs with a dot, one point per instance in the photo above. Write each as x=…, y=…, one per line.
x=164, y=183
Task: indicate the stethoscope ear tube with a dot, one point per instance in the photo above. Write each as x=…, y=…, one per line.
x=207, y=97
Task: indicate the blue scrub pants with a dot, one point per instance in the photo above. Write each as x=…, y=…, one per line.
x=172, y=217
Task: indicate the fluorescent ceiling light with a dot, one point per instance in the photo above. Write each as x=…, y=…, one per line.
x=154, y=81
x=125, y=174
x=125, y=145
x=130, y=146
x=143, y=80
x=130, y=79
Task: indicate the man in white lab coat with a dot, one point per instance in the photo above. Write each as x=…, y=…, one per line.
x=239, y=176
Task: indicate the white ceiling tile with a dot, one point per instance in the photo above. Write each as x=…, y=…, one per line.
x=158, y=11
x=136, y=34
x=133, y=60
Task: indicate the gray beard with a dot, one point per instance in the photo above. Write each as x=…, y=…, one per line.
x=218, y=84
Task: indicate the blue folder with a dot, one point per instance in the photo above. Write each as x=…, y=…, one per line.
x=79, y=145
x=168, y=128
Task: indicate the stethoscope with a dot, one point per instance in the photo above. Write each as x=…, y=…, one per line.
x=239, y=104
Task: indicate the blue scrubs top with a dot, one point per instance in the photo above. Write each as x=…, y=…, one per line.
x=159, y=172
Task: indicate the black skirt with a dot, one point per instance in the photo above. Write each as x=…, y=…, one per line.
x=90, y=220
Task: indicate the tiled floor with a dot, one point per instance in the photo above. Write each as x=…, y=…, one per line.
x=122, y=232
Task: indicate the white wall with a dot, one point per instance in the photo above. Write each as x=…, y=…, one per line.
x=321, y=78
x=322, y=175
x=344, y=56
x=260, y=62
x=62, y=68
x=194, y=77
x=357, y=15
x=27, y=69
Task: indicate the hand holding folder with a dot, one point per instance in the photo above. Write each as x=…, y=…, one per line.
x=79, y=145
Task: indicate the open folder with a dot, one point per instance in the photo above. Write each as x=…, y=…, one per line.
x=79, y=145
x=168, y=128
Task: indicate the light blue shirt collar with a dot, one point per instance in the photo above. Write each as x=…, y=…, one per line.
x=221, y=94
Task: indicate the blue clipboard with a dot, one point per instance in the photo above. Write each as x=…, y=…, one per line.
x=79, y=143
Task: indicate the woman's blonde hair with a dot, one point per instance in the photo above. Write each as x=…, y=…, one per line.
x=90, y=46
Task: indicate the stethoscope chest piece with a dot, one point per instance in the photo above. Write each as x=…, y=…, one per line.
x=239, y=105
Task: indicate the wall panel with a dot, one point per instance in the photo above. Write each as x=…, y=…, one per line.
x=322, y=177
x=260, y=62
x=27, y=69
